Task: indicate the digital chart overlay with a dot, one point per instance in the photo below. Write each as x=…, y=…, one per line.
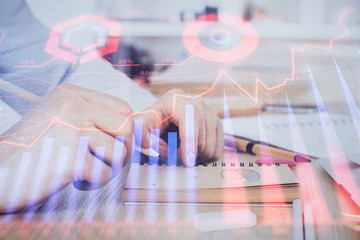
x=221, y=73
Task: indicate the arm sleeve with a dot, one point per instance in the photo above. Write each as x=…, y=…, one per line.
x=8, y=117
x=22, y=41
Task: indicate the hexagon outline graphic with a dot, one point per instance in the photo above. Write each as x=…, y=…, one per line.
x=95, y=50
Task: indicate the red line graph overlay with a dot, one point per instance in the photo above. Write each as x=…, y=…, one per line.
x=221, y=72
x=255, y=96
x=345, y=33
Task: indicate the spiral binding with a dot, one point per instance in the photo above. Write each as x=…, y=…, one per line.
x=215, y=164
x=233, y=164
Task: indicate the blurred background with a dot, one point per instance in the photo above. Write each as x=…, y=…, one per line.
x=152, y=34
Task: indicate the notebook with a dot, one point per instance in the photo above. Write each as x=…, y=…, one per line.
x=213, y=183
x=310, y=140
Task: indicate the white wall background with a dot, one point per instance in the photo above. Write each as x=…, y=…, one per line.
x=275, y=19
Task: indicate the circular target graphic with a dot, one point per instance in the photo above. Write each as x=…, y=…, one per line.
x=228, y=39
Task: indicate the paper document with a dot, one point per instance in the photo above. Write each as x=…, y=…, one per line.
x=279, y=131
x=346, y=174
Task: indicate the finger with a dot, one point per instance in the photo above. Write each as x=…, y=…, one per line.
x=158, y=145
x=84, y=115
x=203, y=130
x=93, y=118
x=94, y=173
x=112, y=103
x=163, y=148
x=211, y=134
x=189, y=132
x=149, y=119
x=142, y=130
x=115, y=151
x=98, y=98
x=219, y=148
x=118, y=126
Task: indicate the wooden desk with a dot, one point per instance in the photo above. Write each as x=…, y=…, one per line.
x=99, y=214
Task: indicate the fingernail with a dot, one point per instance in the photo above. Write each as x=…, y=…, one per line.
x=119, y=154
x=190, y=160
x=154, y=141
x=163, y=151
x=146, y=144
x=126, y=161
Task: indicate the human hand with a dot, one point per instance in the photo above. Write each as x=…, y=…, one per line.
x=69, y=136
x=206, y=134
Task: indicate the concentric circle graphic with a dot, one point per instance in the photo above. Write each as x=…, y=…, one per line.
x=228, y=39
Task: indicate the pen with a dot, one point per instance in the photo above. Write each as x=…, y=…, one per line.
x=20, y=92
x=254, y=147
x=35, y=99
x=237, y=108
x=282, y=108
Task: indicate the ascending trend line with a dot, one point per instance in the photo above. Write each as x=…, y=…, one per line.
x=258, y=82
x=56, y=119
x=345, y=33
